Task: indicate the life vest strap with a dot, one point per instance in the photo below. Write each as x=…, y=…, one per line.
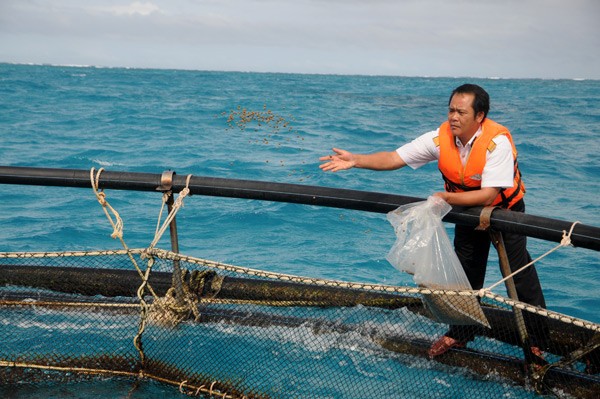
x=505, y=203
x=454, y=187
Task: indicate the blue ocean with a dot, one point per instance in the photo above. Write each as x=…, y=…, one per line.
x=274, y=127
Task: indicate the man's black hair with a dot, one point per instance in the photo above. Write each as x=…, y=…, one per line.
x=481, y=102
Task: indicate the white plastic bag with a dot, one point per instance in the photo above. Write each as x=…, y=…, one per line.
x=423, y=249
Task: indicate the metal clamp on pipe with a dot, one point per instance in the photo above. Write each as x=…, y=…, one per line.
x=484, y=218
x=166, y=181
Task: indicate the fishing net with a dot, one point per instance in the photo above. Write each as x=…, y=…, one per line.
x=233, y=332
x=211, y=329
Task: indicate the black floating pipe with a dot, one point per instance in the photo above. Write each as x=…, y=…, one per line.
x=584, y=236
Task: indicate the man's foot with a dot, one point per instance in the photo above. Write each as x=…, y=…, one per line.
x=538, y=360
x=591, y=367
x=443, y=345
x=537, y=352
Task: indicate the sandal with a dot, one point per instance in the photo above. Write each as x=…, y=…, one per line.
x=443, y=345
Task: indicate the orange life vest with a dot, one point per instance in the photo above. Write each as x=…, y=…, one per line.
x=466, y=178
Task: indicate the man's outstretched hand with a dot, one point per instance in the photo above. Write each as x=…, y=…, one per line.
x=341, y=160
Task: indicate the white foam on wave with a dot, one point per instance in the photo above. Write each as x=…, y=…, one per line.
x=106, y=163
x=63, y=325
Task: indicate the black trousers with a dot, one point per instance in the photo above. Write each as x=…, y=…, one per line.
x=472, y=247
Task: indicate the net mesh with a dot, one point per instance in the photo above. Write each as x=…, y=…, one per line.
x=217, y=330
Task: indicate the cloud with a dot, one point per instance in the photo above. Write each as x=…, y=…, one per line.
x=137, y=7
x=537, y=38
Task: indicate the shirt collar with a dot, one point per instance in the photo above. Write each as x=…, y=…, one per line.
x=470, y=143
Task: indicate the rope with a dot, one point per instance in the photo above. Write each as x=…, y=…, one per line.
x=99, y=371
x=168, y=255
x=165, y=198
x=167, y=312
x=118, y=224
x=118, y=233
x=566, y=241
x=169, y=305
x=64, y=254
x=379, y=287
x=306, y=280
x=63, y=304
x=166, y=303
x=177, y=204
x=137, y=340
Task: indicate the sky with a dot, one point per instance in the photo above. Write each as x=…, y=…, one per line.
x=452, y=38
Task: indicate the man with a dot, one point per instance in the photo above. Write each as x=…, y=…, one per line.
x=478, y=161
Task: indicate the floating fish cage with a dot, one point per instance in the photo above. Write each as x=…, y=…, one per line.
x=211, y=329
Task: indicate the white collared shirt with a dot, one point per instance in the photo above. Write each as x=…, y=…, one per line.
x=499, y=166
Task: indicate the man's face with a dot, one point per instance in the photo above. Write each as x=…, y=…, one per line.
x=461, y=116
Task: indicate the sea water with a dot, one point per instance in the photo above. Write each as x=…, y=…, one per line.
x=274, y=127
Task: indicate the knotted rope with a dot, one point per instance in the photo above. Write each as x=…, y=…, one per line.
x=172, y=311
x=117, y=225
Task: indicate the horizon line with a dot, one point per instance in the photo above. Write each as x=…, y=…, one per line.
x=291, y=73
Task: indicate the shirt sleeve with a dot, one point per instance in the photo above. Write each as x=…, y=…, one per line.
x=499, y=169
x=420, y=151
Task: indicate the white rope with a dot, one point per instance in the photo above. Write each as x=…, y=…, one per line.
x=145, y=309
x=566, y=241
x=117, y=223
x=118, y=233
x=163, y=254
x=169, y=255
x=177, y=204
x=165, y=199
